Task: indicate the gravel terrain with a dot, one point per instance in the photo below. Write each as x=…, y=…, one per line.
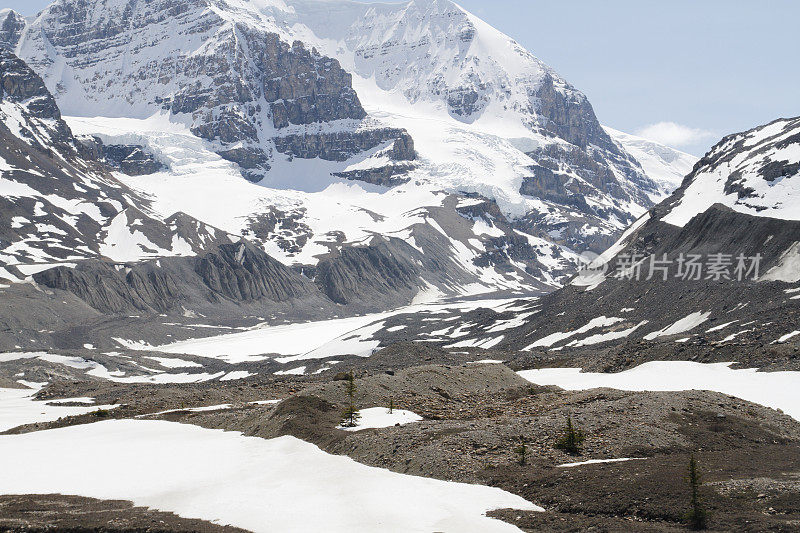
x=473, y=418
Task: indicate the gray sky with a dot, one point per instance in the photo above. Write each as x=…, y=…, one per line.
x=685, y=72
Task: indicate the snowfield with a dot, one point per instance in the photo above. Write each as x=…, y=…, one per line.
x=778, y=390
x=282, y=484
x=17, y=407
x=667, y=166
x=309, y=340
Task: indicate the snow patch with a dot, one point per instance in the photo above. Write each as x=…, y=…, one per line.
x=291, y=475
x=380, y=417
x=777, y=390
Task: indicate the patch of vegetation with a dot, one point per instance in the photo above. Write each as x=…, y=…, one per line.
x=522, y=451
x=697, y=517
x=571, y=441
x=350, y=415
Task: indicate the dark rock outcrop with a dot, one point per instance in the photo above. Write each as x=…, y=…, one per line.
x=304, y=87
x=11, y=26
x=133, y=160
x=388, y=176
x=341, y=146
x=242, y=272
x=130, y=159
x=375, y=271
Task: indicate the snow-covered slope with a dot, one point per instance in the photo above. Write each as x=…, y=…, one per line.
x=666, y=166
x=57, y=203
x=488, y=115
x=718, y=262
x=756, y=172
x=358, y=121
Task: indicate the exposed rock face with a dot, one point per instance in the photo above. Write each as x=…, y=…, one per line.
x=20, y=85
x=238, y=82
x=11, y=26
x=570, y=117
x=553, y=181
x=133, y=160
x=388, y=176
x=304, y=87
x=341, y=146
x=597, y=161
x=373, y=272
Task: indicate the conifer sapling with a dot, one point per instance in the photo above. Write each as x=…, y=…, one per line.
x=350, y=415
x=696, y=516
x=522, y=451
x=571, y=440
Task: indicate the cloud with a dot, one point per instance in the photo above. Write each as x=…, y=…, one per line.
x=673, y=134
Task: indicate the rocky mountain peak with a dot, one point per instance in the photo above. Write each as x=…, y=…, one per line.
x=238, y=80
x=11, y=26
x=755, y=172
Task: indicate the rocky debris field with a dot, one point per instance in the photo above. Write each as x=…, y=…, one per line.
x=474, y=418
x=55, y=512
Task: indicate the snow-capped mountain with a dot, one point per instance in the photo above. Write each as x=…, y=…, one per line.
x=717, y=263
x=756, y=172
x=666, y=166
x=360, y=124
x=58, y=203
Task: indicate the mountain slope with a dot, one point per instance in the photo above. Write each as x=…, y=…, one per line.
x=694, y=279
x=666, y=166
x=81, y=251
x=360, y=123
x=58, y=203
x=484, y=115
x=754, y=172
x=492, y=102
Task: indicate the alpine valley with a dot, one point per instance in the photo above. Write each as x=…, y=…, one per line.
x=255, y=215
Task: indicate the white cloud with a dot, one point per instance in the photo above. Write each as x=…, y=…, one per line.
x=673, y=134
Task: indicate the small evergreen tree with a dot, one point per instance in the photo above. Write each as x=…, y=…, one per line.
x=522, y=451
x=571, y=440
x=391, y=405
x=350, y=415
x=696, y=516
x=350, y=386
